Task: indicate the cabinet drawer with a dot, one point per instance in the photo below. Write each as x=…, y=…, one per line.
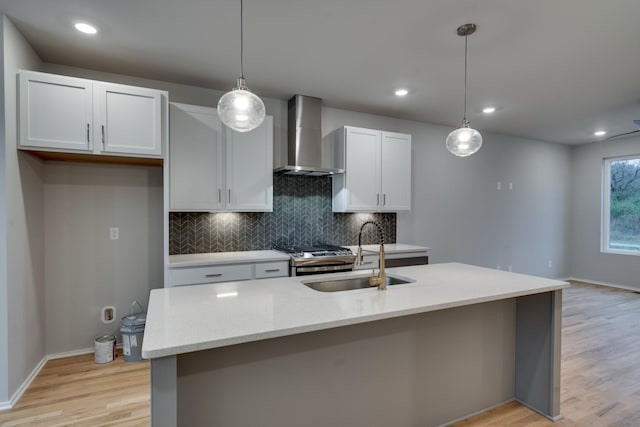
x=272, y=269
x=209, y=274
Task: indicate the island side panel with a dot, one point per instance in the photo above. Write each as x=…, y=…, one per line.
x=424, y=369
x=538, y=337
x=164, y=392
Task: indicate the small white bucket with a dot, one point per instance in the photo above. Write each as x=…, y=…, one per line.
x=105, y=349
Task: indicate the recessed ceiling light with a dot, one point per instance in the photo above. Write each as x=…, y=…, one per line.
x=401, y=92
x=85, y=28
x=489, y=110
x=599, y=133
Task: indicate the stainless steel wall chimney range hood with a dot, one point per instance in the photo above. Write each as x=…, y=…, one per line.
x=304, y=140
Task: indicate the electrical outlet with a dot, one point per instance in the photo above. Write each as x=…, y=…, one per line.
x=114, y=233
x=499, y=186
x=108, y=314
x=511, y=186
x=498, y=267
x=509, y=268
x=550, y=264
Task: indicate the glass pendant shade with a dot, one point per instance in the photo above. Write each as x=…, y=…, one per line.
x=240, y=109
x=464, y=141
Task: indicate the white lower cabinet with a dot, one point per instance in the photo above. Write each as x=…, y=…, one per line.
x=209, y=274
x=73, y=115
x=213, y=168
x=180, y=276
x=265, y=270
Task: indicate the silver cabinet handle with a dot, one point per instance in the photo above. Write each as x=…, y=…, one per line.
x=213, y=275
x=229, y=196
x=384, y=199
x=367, y=263
x=103, y=135
x=88, y=133
x=272, y=270
x=378, y=199
x=219, y=195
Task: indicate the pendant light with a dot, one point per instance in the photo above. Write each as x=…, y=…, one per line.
x=240, y=109
x=464, y=141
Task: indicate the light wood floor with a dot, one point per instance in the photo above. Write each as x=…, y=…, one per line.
x=75, y=391
x=600, y=377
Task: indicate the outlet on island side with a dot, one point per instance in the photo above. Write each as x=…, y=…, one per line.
x=108, y=314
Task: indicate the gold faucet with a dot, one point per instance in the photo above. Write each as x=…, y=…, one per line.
x=379, y=280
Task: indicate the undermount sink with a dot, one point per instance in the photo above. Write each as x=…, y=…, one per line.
x=351, y=283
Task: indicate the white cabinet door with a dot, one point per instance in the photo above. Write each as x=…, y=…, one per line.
x=395, y=179
x=362, y=166
x=55, y=112
x=377, y=175
x=128, y=119
x=249, y=177
x=195, y=159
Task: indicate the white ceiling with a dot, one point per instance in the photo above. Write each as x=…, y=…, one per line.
x=556, y=70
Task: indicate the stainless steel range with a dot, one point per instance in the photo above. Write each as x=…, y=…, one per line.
x=318, y=259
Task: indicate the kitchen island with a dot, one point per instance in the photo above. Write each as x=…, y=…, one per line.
x=457, y=340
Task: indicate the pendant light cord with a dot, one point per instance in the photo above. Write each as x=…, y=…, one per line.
x=464, y=116
x=242, y=42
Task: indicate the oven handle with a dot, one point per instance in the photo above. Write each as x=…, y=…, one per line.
x=324, y=268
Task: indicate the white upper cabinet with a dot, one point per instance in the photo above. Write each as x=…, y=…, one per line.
x=395, y=172
x=377, y=174
x=250, y=168
x=55, y=112
x=195, y=159
x=213, y=168
x=129, y=119
x=68, y=114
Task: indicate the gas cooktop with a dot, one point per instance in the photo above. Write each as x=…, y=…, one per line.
x=314, y=251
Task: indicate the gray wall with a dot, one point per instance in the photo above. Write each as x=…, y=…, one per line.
x=85, y=270
x=586, y=261
x=23, y=275
x=457, y=209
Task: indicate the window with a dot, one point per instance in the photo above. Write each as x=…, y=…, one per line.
x=621, y=205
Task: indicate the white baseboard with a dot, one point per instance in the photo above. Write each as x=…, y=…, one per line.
x=554, y=419
x=611, y=285
x=473, y=414
x=70, y=353
x=23, y=387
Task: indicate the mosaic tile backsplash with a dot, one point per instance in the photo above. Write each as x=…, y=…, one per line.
x=301, y=216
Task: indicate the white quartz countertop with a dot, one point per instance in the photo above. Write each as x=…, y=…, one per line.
x=219, y=258
x=194, y=260
x=391, y=248
x=191, y=318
